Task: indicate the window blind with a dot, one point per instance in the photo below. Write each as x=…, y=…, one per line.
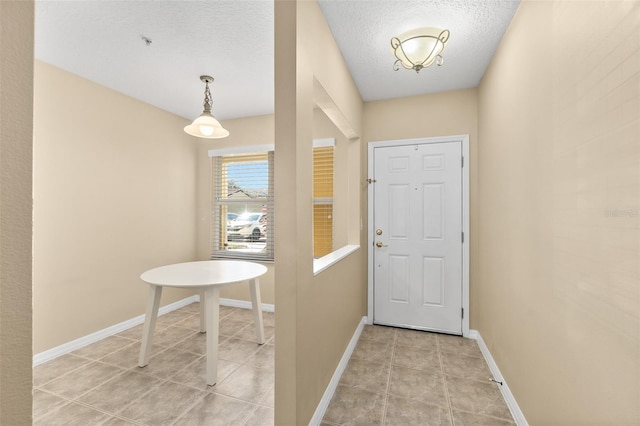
x=323, y=165
x=242, y=224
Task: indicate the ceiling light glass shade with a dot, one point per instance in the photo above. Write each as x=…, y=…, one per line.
x=419, y=48
x=206, y=126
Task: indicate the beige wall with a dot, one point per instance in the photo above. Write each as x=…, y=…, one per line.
x=558, y=289
x=114, y=195
x=555, y=201
x=315, y=316
x=243, y=132
x=439, y=114
x=16, y=106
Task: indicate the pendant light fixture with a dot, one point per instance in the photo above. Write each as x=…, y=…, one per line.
x=419, y=48
x=206, y=126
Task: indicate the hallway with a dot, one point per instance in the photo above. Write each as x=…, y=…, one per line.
x=406, y=377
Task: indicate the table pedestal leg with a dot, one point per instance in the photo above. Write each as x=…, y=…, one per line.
x=151, y=315
x=212, y=314
x=203, y=323
x=256, y=304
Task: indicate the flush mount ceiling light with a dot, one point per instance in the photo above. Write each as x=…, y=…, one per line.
x=206, y=126
x=419, y=48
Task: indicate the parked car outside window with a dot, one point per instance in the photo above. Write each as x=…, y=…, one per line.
x=231, y=217
x=248, y=226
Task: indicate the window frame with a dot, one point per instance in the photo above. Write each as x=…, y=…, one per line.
x=215, y=232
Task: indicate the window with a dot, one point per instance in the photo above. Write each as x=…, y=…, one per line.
x=323, y=153
x=242, y=206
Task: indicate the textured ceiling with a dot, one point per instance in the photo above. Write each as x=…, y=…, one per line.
x=363, y=30
x=233, y=42
x=230, y=40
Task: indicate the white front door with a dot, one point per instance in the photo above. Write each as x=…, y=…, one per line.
x=417, y=250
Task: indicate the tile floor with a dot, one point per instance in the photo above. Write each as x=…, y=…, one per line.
x=394, y=377
x=407, y=377
x=101, y=384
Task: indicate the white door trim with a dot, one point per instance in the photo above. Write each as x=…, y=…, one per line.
x=464, y=139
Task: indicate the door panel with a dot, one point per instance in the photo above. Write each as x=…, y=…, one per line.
x=399, y=281
x=418, y=260
x=433, y=208
x=433, y=281
x=399, y=208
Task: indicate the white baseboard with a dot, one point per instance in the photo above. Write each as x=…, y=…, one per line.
x=333, y=384
x=76, y=344
x=517, y=414
x=245, y=304
x=81, y=342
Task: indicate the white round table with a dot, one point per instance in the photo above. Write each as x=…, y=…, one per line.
x=207, y=277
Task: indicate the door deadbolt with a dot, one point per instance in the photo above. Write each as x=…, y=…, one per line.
x=378, y=231
x=379, y=244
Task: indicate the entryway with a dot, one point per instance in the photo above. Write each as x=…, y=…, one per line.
x=418, y=228
x=410, y=377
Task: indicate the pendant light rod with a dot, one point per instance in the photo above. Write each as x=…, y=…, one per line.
x=207, y=92
x=206, y=126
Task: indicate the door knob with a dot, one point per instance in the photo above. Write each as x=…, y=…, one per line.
x=379, y=244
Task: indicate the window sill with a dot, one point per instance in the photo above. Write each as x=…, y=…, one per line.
x=324, y=262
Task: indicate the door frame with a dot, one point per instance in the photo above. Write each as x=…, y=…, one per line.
x=464, y=140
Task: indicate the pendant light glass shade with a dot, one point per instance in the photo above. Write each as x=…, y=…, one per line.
x=419, y=48
x=206, y=126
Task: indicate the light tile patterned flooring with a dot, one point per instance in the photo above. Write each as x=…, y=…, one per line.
x=101, y=384
x=394, y=377
x=407, y=377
